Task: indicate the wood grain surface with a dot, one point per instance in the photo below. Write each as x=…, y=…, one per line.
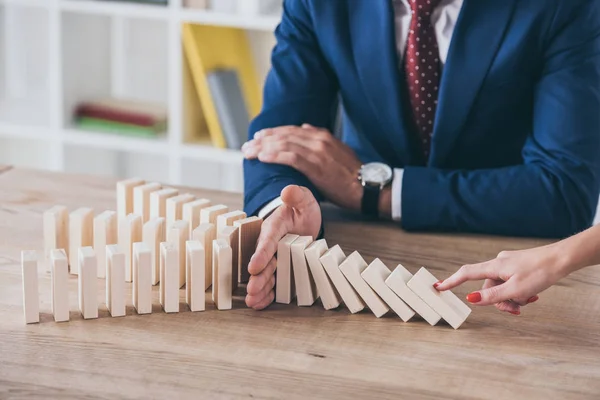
x=551, y=351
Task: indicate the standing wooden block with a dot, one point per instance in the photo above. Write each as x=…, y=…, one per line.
x=352, y=267
x=125, y=196
x=314, y=252
x=209, y=215
x=228, y=219
x=142, y=278
x=285, y=287
x=130, y=232
x=191, y=212
x=178, y=234
x=306, y=290
x=446, y=304
x=175, y=208
x=169, y=277
x=231, y=236
x=115, y=281
x=331, y=260
x=81, y=234
x=141, y=199
x=158, y=202
x=205, y=234
x=153, y=234
x=88, y=284
x=249, y=229
x=56, y=231
x=105, y=233
x=222, y=274
x=31, y=295
x=60, y=285
x=195, y=275
x=375, y=275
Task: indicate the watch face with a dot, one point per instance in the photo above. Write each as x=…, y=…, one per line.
x=376, y=173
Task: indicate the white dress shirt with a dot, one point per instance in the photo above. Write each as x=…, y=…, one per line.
x=444, y=19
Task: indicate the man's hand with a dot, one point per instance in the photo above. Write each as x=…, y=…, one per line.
x=327, y=162
x=299, y=214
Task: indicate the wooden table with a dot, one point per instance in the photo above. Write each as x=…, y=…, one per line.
x=551, y=351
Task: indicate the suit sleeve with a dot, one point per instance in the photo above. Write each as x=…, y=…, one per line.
x=300, y=88
x=555, y=191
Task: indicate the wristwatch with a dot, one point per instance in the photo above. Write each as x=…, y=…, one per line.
x=373, y=177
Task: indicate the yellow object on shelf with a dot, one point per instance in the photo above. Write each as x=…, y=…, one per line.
x=211, y=47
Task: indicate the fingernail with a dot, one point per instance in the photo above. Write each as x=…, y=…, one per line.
x=533, y=299
x=245, y=145
x=438, y=283
x=259, y=134
x=515, y=312
x=474, y=297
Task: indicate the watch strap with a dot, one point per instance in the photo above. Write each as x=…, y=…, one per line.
x=370, y=200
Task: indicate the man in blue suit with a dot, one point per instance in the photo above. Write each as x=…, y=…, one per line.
x=460, y=115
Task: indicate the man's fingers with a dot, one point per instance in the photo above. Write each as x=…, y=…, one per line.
x=258, y=282
x=472, y=272
x=266, y=302
x=297, y=197
x=273, y=230
x=263, y=298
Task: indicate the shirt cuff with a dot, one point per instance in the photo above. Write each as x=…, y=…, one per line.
x=270, y=207
x=397, y=194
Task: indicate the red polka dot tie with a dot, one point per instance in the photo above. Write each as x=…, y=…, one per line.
x=422, y=64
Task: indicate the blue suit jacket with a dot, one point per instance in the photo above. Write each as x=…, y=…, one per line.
x=516, y=146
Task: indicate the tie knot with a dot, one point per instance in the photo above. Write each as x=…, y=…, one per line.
x=425, y=7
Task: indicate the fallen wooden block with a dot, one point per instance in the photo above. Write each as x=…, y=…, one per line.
x=60, y=285
x=56, y=231
x=306, y=290
x=88, y=286
x=228, y=219
x=205, y=234
x=329, y=297
x=125, y=196
x=31, y=295
x=178, y=235
x=105, y=233
x=191, y=212
x=222, y=274
x=352, y=267
x=249, y=231
x=158, y=202
x=142, y=278
x=175, y=208
x=153, y=234
x=81, y=234
x=285, y=286
x=195, y=275
x=141, y=199
x=446, y=304
x=375, y=275
x=115, y=281
x=130, y=232
x=331, y=260
x=169, y=277
x=209, y=215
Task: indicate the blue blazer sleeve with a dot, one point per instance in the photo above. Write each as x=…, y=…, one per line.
x=555, y=192
x=300, y=88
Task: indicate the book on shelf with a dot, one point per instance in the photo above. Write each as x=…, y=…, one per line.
x=157, y=2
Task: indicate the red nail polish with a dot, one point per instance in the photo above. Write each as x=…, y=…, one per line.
x=515, y=312
x=474, y=297
x=533, y=299
x=438, y=283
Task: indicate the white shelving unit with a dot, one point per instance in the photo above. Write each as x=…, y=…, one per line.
x=56, y=53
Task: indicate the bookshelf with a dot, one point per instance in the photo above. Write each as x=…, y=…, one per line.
x=70, y=50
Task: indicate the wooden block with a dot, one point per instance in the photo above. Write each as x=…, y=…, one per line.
x=115, y=281
x=125, y=196
x=178, y=234
x=141, y=199
x=306, y=290
x=142, y=278
x=31, y=295
x=60, y=285
x=231, y=235
x=105, y=233
x=285, y=287
x=228, y=219
x=375, y=275
x=56, y=231
x=130, y=232
x=329, y=296
x=249, y=230
x=174, y=207
x=446, y=304
x=397, y=283
x=205, y=234
x=222, y=274
x=209, y=215
x=153, y=234
x=158, y=202
x=191, y=212
x=88, y=284
x=195, y=275
x=81, y=234
x=169, y=277
x=331, y=260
